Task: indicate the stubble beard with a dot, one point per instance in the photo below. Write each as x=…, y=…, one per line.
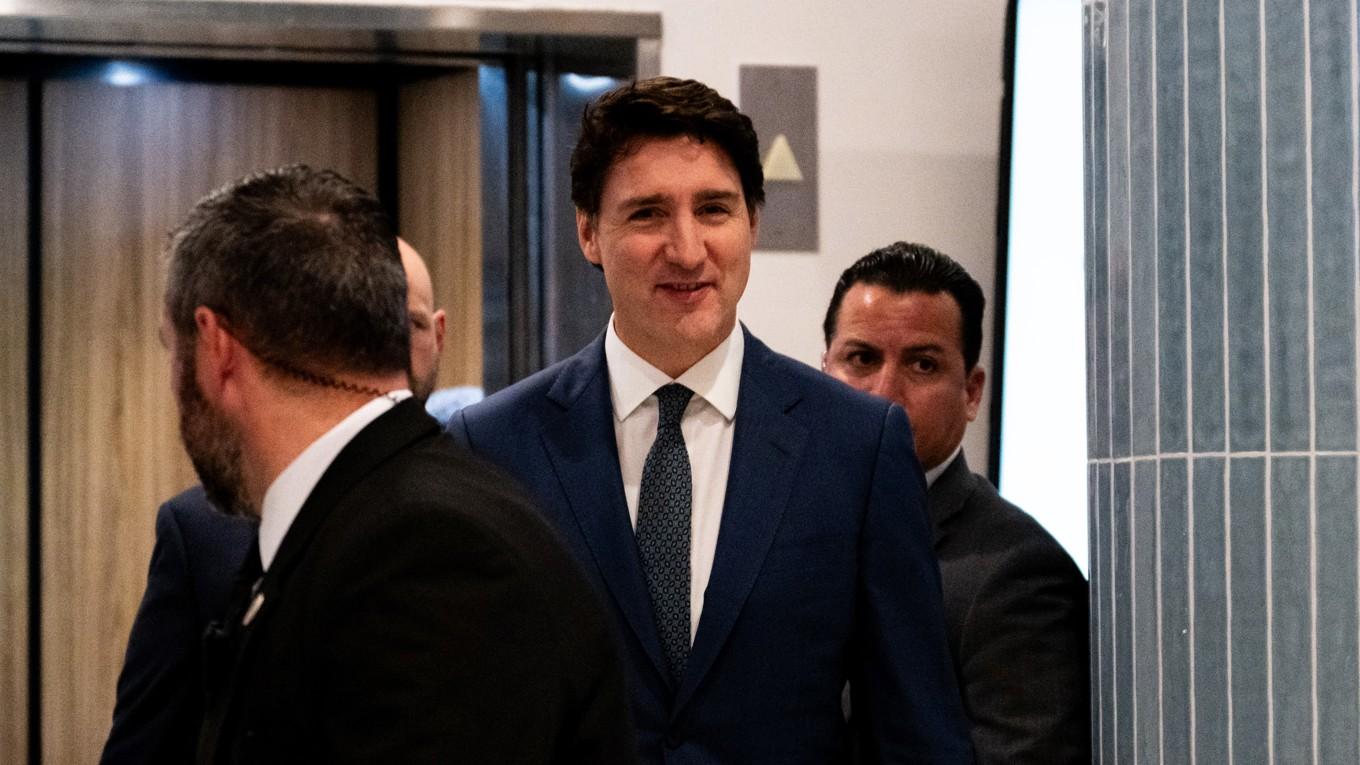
x=214, y=448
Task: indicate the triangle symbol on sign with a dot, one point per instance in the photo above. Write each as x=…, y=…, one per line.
x=780, y=164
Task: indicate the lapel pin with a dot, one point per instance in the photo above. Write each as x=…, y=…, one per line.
x=253, y=610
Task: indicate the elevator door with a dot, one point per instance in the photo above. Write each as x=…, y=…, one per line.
x=120, y=167
x=13, y=419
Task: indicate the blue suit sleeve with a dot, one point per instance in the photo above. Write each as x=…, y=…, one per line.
x=905, y=700
x=159, y=706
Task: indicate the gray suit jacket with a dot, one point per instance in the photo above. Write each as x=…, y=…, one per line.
x=1016, y=610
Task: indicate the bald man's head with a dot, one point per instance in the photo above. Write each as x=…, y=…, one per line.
x=427, y=324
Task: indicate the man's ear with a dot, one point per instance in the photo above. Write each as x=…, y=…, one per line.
x=755, y=226
x=588, y=236
x=438, y=319
x=218, y=352
x=972, y=387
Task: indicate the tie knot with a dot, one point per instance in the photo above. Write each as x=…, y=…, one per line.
x=672, y=399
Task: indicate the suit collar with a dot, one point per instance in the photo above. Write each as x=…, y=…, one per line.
x=285, y=496
x=390, y=432
x=948, y=494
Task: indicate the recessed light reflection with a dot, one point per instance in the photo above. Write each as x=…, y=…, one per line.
x=125, y=74
x=588, y=84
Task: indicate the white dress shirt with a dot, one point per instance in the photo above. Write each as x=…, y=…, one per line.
x=707, y=426
x=285, y=496
x=939, y=469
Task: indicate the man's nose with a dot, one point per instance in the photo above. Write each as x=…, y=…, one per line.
x=686, y=247
x=886, y=382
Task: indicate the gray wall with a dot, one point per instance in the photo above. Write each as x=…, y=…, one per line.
x=1221, y=284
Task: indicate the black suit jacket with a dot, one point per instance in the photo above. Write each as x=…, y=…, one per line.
x=417, y=610
x=1016, y=610
x=160, y=690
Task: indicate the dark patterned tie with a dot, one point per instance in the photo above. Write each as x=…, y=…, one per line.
x=663, y=527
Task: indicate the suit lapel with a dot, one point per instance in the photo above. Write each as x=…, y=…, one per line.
x=947, y=496
x=766, y=449
x=582, y=448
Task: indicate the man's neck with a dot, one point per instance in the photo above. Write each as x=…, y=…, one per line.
x=676, y=359
x=280, y=427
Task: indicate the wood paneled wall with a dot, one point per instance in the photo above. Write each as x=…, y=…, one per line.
x=440, y=208
x=121, y=167
x=13, y=421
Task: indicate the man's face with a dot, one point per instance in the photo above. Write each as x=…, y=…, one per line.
x=212, y=443
x=674, y=239
x=908, y=347
x=427, y=324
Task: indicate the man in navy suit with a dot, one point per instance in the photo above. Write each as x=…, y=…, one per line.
x=758, y=528
x=198, y=551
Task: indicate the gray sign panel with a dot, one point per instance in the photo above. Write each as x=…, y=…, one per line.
x=782, y=102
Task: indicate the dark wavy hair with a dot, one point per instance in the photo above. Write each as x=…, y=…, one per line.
x=907, y=267
x=303, y=267
x=661, y=107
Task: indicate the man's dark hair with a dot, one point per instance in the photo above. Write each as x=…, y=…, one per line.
x=661, y=107
x=302, y=265
x=907, y=267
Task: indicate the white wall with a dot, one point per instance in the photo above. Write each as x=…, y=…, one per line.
x=909, y=124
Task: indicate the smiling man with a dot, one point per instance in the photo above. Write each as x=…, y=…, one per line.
x=759, y=529
x=905, y=323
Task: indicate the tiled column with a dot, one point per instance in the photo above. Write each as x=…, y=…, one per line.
x=1222, y=272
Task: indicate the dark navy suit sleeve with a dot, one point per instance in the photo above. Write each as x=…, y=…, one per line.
x=905, y=700
x=159, y=704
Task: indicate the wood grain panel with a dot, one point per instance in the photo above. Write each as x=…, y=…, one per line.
x=14, y=416
x=122, y=166
x=440, y=199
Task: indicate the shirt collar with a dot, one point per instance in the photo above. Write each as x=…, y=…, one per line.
x=939, y=469
x=716, y=378
x=285, y=496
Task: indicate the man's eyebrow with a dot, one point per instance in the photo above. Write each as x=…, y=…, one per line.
x=860, y=344
x=643, y=201
x=923, y=348
x=717, y=195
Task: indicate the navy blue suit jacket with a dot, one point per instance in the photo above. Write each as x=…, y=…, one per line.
x=160, y=690
x=823, y=572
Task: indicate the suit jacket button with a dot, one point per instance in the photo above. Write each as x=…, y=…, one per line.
x=673, y=741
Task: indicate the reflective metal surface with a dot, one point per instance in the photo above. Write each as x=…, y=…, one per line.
x=304, y=30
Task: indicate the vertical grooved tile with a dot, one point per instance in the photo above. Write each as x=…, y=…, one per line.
x=1146, y=618
x=1333, y=226
x=1171, y=227
x=1099, y=274
x=1143, y=240
x=1205, y=219
x=1337, y=623
x=1244, y=188
x=1287, y=221
x=1291, y=630
x=1247, y=512
x=1118, y=145
x=1104, y=593
x=1174, y=555
x=1209, y=586
x=1121, y=562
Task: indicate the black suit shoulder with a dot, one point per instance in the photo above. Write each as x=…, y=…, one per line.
x=434, y=616
x=1017, y=612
